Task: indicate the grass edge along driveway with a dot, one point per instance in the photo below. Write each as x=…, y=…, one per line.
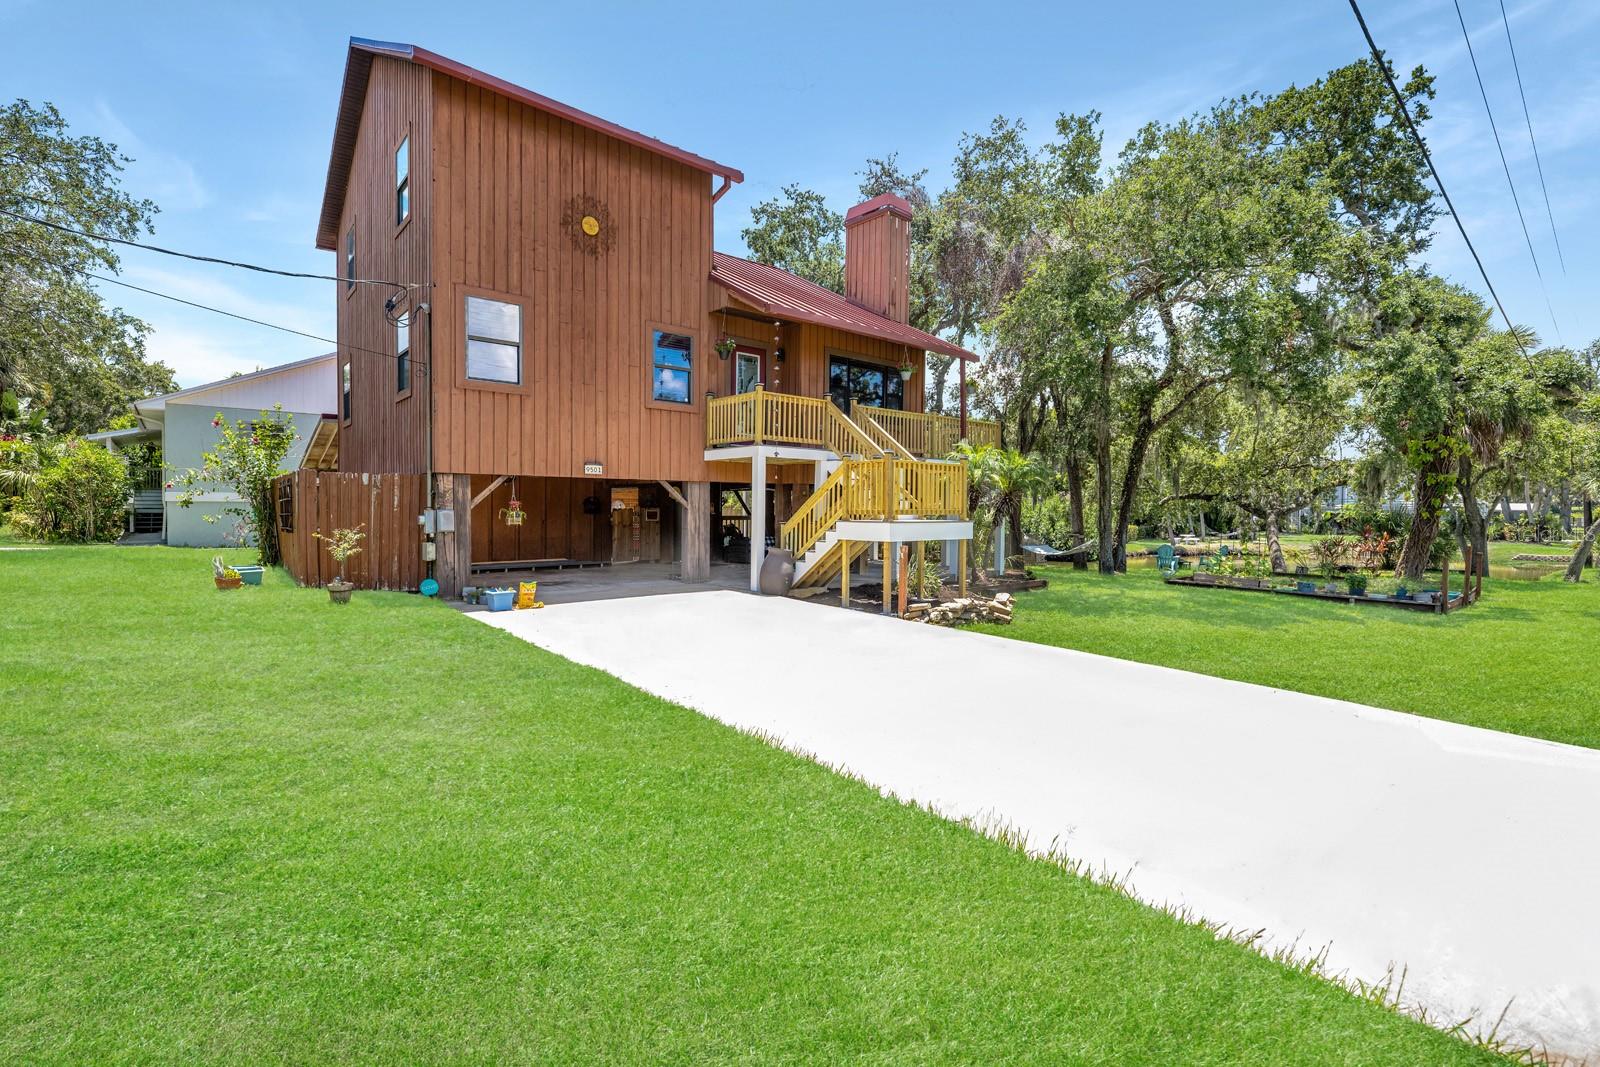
x=252, y=826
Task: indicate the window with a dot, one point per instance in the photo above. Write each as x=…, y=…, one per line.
x=350, y=259
x=344, y=392
x=494, y=341
x=872, y=384
x=286, y=505
x=672, y=367
x=402, y=350
x=402, y=181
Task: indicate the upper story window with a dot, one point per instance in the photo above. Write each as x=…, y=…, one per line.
x=672, y=366
x=494, y=340
x=402, y=181
x=350, y=259
x=344, y=392
x=402, y=350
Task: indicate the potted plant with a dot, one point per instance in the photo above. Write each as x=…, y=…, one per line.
x=1357, y=584
x=725, y=346
x=1329, y=551
x=341, y=546
x=512, y=514
x=906, y=371
x=225, y=576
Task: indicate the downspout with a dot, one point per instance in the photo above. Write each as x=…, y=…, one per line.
x=727, y=183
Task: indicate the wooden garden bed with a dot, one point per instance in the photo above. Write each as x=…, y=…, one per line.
x=1456, y=601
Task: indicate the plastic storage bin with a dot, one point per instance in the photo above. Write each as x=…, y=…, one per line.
x=498, y=599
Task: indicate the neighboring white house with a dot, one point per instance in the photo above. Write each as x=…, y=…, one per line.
x=180, y=425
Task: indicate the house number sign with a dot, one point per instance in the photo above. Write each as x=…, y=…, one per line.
x=594, y=468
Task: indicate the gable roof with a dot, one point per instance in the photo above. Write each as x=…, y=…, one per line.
x=247, y=389
x=788, y=296
x=357, y=70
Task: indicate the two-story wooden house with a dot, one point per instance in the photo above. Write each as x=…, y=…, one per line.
x=567, y=345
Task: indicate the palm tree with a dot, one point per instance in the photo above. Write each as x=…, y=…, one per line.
x=1013, y=476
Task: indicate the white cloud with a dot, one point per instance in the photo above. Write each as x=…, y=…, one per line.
x=168, y=179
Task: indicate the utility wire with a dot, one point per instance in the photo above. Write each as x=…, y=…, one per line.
x=1400, y=102
x=1500, y=148
x=415, y=365
x=205, y=259
x=1529, y=117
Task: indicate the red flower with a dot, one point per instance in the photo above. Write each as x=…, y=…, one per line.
x=217, y=421
x=169, y=485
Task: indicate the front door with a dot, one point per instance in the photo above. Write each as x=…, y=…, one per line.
x=749, y=368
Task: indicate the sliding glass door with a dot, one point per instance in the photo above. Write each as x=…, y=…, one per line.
x=871, y=384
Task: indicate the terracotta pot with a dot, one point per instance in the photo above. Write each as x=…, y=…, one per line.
x=339, y=592
x=227, y=583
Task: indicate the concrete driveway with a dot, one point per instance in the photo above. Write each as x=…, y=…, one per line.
x=1470, y=858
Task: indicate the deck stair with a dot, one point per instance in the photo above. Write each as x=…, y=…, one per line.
x=870, y=474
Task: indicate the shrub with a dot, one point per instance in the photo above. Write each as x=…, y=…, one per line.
x=247, y=456
x=80, y=496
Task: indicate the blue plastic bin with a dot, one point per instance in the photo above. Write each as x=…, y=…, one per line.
x=251, y=573
x=499, y=599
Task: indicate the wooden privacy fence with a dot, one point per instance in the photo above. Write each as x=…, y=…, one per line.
x=385, y=506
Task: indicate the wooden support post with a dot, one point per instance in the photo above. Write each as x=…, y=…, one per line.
x=961, y=553
x=905, y=564
x=961, y=370
x=760, y=415
x=888, y=577
x=453, y=563
x=844, y=575
x=695, y=547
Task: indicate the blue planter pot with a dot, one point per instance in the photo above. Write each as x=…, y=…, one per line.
x=1305, y=587
x=251, y=573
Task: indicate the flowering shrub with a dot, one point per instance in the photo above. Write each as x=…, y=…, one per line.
x=247, y=456
x=78, y=493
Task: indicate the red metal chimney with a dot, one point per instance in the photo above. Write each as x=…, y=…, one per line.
x=877, y=256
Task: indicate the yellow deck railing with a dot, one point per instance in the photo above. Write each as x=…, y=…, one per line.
x=759, y=417
x=926, y=434
x=872, y=489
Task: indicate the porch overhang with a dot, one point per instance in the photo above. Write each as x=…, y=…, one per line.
x=771, y=453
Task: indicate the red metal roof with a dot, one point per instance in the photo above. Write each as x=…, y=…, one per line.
x=358, y=67
x=882, y=202
x=787, y=296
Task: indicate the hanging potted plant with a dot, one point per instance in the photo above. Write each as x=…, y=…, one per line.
x=341, y=546
x=906, y=371
x=725, y=346
x=512, y=514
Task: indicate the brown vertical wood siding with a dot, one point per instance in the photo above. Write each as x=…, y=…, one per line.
x=508, y=182
x=496, y=187
x=384, y=506
x=386, y=432
x=877, y=264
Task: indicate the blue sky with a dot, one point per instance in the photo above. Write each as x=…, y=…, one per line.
x=229, y=114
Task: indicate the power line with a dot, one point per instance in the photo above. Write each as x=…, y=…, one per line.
x=1515, y=199
x=415, y=365
x=1400, y=102
x=1529, y=117
x=205, y=259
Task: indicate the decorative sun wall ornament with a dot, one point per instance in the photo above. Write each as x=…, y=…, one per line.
x=588, y=222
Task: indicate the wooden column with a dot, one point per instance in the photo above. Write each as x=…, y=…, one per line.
x=961, y=371
x=844, y=575
x=453, y=563
x=696, y=526
x=905, y=563
x=888, y=578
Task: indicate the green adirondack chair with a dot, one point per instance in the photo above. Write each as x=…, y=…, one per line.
x=1167, y=559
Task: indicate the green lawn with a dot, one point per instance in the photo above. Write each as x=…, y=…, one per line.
x=251, y=826
x=1519, y=660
